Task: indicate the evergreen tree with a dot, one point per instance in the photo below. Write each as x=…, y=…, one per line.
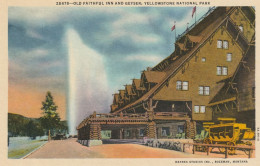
x=50, y=120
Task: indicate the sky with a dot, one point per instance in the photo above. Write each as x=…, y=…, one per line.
x=122, y=40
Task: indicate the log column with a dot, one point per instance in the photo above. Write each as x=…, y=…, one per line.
x=190, y=130
x=151, y=130
x=95, y=131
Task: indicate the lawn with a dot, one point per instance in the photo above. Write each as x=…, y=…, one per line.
x=20, y=149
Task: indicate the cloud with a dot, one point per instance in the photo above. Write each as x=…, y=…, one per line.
x=38, y=52
x=37, y=16
x=33, y=34
x=128, y=18
x=22, y=76
x=147, y=58
x=135, y=37
x=131, y=24
x=36, y=67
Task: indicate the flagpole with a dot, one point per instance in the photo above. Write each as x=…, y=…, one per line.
x=175, y=30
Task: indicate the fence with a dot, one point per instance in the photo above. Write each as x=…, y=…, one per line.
x=226, y=147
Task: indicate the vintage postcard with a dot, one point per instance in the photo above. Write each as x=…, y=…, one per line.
x=164, y=82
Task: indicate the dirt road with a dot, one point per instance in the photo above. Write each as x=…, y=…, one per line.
x=72, y=149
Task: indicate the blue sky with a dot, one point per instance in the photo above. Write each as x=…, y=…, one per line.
x=128, y=39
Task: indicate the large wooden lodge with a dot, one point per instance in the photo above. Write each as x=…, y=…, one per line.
x=210, y=74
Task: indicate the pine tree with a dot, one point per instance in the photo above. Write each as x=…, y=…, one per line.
x=50, y=120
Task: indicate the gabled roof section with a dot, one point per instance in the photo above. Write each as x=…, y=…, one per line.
x=194, y=39
x=115, y=101
x=137, y=83
x=128, y=89
x=121, y=94
x=153, y=76
x=181, y=46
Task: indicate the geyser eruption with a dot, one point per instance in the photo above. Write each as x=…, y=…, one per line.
x=87, y=89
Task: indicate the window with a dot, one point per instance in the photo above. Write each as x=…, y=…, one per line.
x=203, y=59
x=197, y=109
x=165, y=131
x=180, y=129
x=222, y=44
x=200, y=109
x=241, y=28
x=185, y=85
x=182, y=85
x=219, y=69
x=201, y=90
x=127, y=133
x=225, y=44
x=178, y=85
x=219, y=44
x=204, y=90
x=173, y=107
x=222, y=70
x=229, y=57
x=141, y=132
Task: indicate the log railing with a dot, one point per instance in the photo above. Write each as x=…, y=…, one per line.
x=124, y=116
x=170, y=114
x=143, y=115
x=130, y=116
